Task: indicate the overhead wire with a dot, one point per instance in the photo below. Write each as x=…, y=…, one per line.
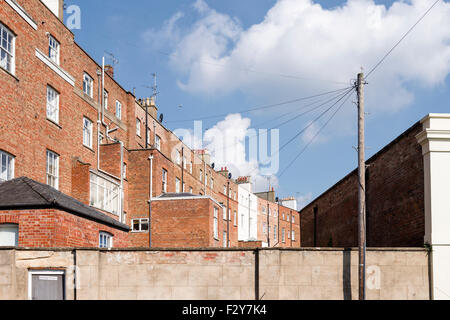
x=402, y=38
x=264, y=107
x=314, y=137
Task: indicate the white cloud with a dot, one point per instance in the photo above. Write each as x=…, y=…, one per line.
x=299, y=37
x=233, y=144
x=304, y=200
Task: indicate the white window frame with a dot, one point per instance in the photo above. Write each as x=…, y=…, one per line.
x=225, y=238
x=11, y=225
x=158, y=142
x=53, y=49
x=191, y=191
x=224, y=211
x=293, y=235
x=124, y=170
x=283, y=235
x=52, y=104
x=9, y=50
x=178, y=158
x=141, y=221
x=275, y=232
x=104, y=194
x=52, y=175
x=109, y=239
x=32, y=273
x=190, y=169
x=164, y=180
x=177, y=185
x=88, y=85
x=138, y=127
x=235, y=218
x=216, y=223
x=200, y=175
x=6, y=166
x=87, y=132
x=105, y=97
x=118, y=110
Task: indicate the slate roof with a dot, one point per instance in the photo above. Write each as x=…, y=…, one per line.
x=24, y=193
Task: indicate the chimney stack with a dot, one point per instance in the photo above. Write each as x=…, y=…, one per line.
x=109, y=69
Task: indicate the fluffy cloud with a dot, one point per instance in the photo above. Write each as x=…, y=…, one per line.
x=233, y=144
x=216, y=56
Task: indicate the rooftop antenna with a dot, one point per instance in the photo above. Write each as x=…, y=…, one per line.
x=155, y=86
x=112, y=58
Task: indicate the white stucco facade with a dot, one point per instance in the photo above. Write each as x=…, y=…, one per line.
x=435, y=142
x=247, y=211
x=53, y=5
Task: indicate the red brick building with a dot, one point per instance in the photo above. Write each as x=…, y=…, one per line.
x=278, y=226
x=394, y=199
x=37, y=215
x=67, y=123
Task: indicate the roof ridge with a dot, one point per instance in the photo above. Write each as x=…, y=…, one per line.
x=28, y=181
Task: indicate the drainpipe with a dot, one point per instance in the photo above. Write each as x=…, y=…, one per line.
x=291, y=225
x=150, y=203
x=107, y=136
x=249, y=216
x=268, y=226
x=228, y=213
x=182, y=169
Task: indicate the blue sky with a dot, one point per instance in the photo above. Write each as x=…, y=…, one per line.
x=399, y=93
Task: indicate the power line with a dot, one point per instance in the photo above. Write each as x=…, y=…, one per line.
x=311, y=123
x=315, y=120
x=404, y=36
x=262, y=107
x=259, y=125
x=341, y=95
x=308, y=111
x=313, y=138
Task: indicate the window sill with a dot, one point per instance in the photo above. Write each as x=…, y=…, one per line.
x=89, y=148
x=54, y=123
x=139, y=231
x=9, y=73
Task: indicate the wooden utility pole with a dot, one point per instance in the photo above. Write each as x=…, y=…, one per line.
x=361, y=189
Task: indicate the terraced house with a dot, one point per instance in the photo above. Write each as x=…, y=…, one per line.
x=86, y=164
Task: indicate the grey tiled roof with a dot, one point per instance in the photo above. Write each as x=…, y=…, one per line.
x=23, y=193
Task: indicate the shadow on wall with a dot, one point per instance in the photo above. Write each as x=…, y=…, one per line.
x=347, y=274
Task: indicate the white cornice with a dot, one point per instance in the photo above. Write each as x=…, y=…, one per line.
x=21, y=11
x=61, y=72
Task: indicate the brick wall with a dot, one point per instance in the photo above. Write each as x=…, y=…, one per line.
x=280, y=221
x=395, y=202
x=51, y=228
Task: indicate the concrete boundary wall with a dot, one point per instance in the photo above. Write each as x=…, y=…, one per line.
x=219, y=274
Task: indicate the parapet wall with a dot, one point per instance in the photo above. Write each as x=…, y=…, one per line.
x=298, y=274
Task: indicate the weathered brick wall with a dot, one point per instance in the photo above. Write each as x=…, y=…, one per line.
x=51, y=228
x=395, y=202
x=392, y=274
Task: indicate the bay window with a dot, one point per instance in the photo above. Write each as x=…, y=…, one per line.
x=105, y=195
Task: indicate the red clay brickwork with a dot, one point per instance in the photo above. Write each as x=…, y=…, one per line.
x=50, y=228
x=395, y=202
